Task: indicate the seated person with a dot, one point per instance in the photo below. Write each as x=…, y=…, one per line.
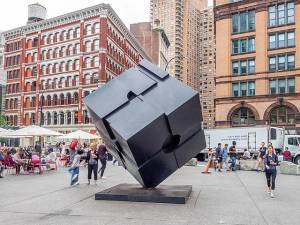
x=246, y=154
x=18, y=160
x=287, y=156
x=51, y=157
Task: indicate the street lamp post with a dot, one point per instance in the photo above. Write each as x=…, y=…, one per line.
x=180, y=57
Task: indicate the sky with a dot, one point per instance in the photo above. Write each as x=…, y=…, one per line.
x=13, y=13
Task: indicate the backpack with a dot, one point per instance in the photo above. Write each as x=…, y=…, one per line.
x=73, y=144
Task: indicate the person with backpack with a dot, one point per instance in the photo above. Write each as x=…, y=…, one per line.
x=72, y=147
x=271, y=161
x=102, y=152
x=233, y=156
x=92, y=160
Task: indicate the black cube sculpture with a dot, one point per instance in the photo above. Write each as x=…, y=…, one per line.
x=149, y=121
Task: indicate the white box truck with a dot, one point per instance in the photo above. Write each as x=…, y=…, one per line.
x=252, y=137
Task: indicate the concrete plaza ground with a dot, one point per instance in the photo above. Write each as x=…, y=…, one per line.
x=235, y=198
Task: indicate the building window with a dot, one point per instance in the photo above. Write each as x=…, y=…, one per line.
x=243, y=67
x=281, y=14
x=282, y=115
x=243, y=22
x=282, y=40
x=243, y=117
x=282, y=86
x=282, y=62
x=242, y=89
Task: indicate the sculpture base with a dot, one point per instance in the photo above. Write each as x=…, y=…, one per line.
x=135, y=193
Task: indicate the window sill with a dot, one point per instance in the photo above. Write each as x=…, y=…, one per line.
x=242, y=53
x=244, y=32
x=277, y=71
x=281, y=25
x=273, y=49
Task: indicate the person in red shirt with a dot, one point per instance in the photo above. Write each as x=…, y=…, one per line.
x=287, y=156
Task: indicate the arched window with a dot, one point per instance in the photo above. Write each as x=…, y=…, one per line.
x=77, y=64
x=35, y=57
x=243, y=117
x=62, y=118
x=63, y=35
x=63, y=82
x=48, y=84
x=54, y=83
x=44, y=55
x=42, y=85
x=62, y=99
x=42, y=118
x=42, y=100
x=88, y=46
x=88, y=29
x=69, y=99
x=27, y=120
x=76, y=117
x=70, y=33
x=50, y=38
x=48, y=118
x=33, y=118
x=27, y=102
x=86, y=119
x=77, y=33
x=33, y=103
x=75, y=98
x=282, y=115
x=55, y=99
x=77, y=48
x=96, y=44
x=69, y=81
x=44, y=39
x=88, y=62
x=63, y=66
x=43, y=69
x=76, y=79
x=70, y=66
x=63, y=51
x=16, y=103
x=48, y=100
x=69, y=117
x=97, y=27
x=57, y=37
x=87, y=79
x=70, y=50
x=33, y=86
x=56, y=65
x=56, y=53
x=50, y=54
x=54, y=118
x=50, y=68
x=95, y=78
x=96, y=61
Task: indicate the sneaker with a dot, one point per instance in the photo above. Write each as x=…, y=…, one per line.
x=89, y=182
x=77, y=183
x=269, y=191
x=103, y=177
x=272, y=194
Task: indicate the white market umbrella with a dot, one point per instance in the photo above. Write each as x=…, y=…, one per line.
x=79, y=134
x=33, y=131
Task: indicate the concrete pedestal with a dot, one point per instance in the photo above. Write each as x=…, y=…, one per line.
x=135, y=193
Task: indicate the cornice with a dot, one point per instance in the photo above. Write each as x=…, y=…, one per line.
x=225, y=11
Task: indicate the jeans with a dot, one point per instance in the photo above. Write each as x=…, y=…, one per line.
x=74, y=174
x=92, y=168
x=233, y=162
x=103, y=163
x=271, y=177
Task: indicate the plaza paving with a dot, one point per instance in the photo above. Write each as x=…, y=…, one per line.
x=219, y=198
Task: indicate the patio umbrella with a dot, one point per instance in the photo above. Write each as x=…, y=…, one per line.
x=79, y=134
x=33, y=131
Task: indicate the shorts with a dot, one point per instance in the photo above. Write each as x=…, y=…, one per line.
x=220, y=159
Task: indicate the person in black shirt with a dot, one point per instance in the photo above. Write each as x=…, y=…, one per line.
x=92, y=160
x=233, y=156
x=102, y=152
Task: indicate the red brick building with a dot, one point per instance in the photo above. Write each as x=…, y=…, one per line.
x=54, y=63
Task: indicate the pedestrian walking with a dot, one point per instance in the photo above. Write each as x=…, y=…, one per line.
x=209, y=161
x=102, y=152
x=260, y=158
x=92, y=160
x=74, y=169
x=271, y=161
x=219, y=156
x=73, y=147
x=225, y=156
x=232, y=155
